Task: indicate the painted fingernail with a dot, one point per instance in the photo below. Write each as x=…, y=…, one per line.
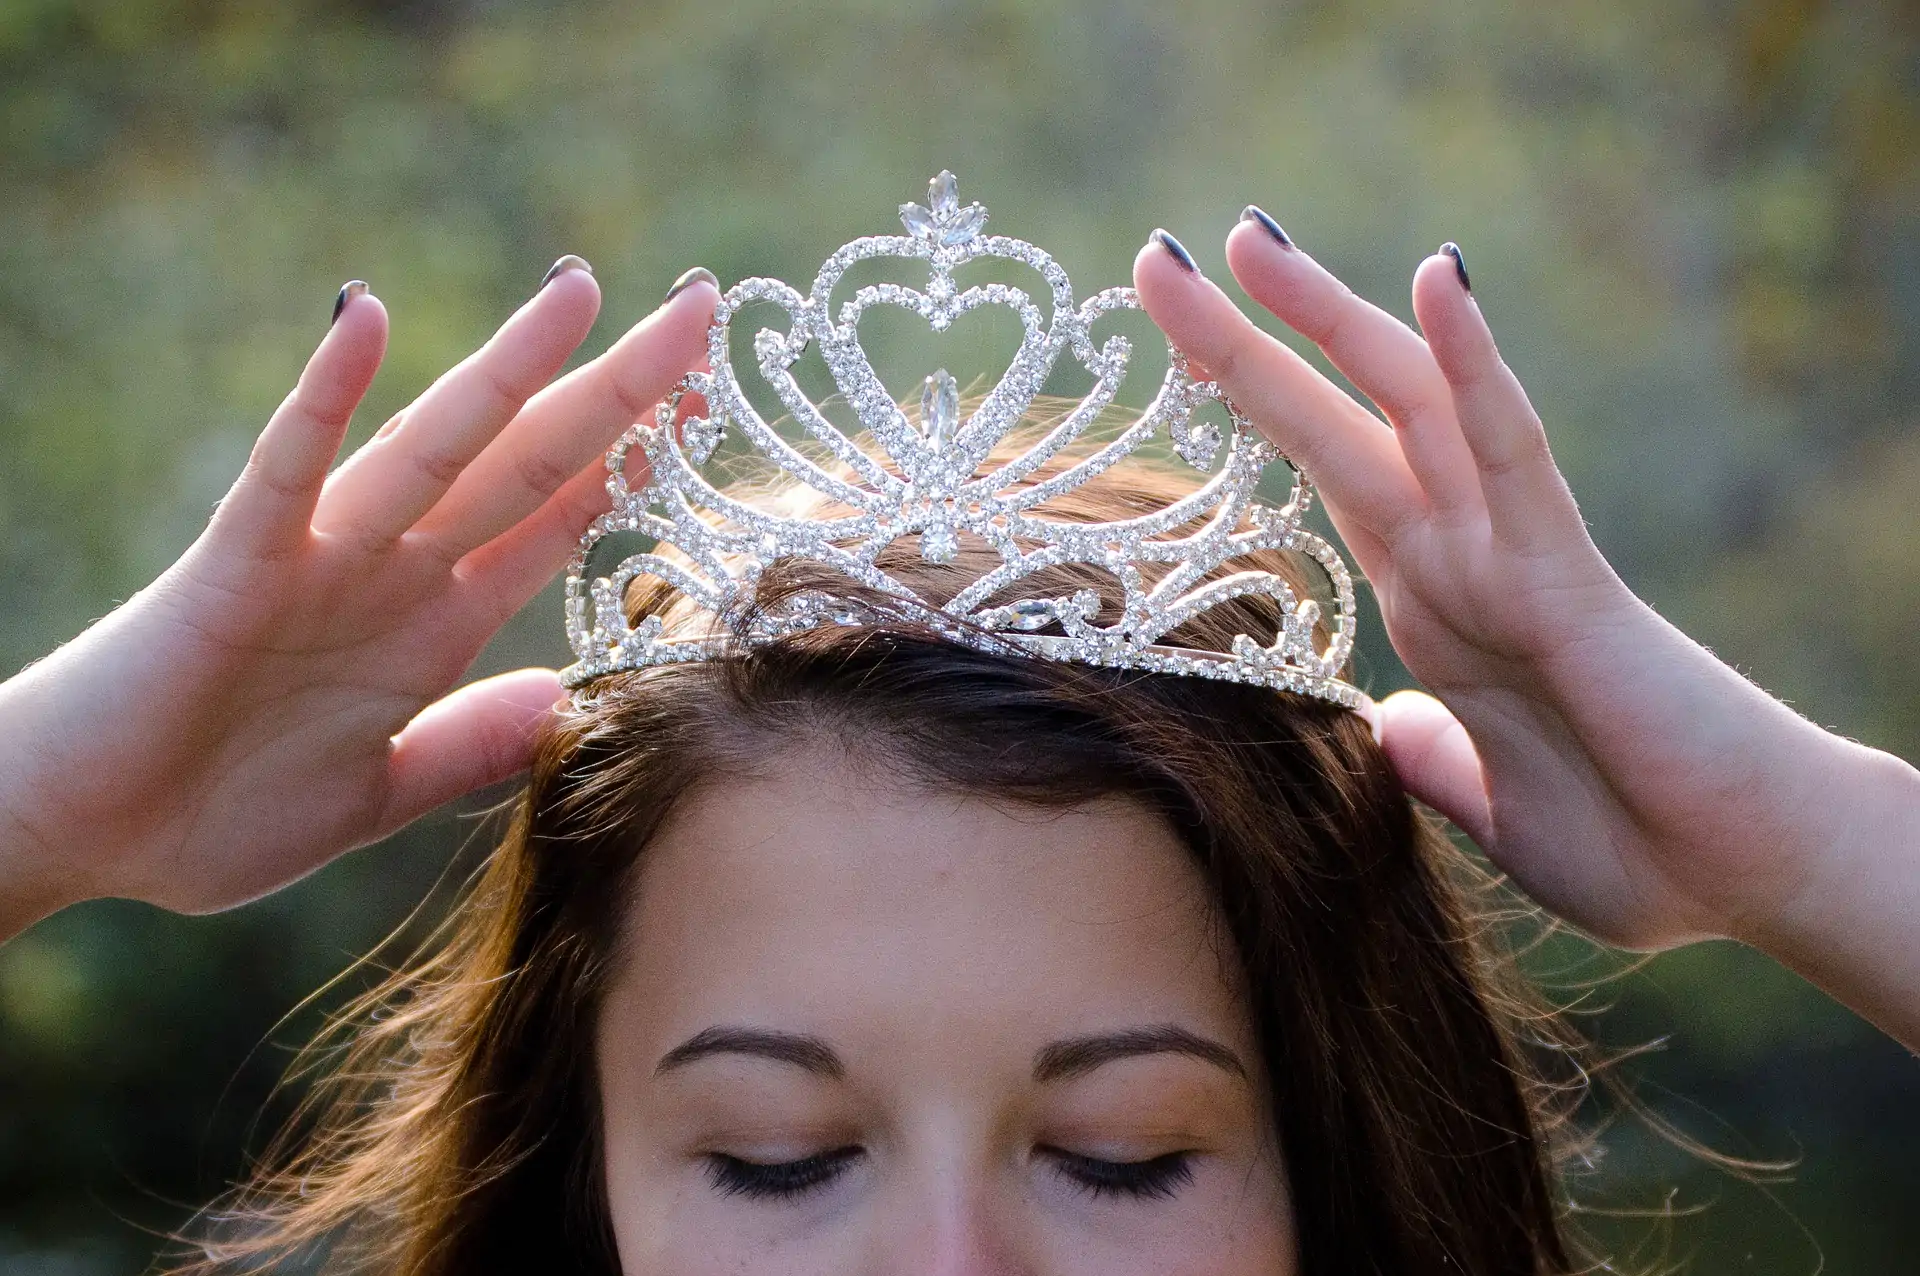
x=1176, y=250
x=351, y=289
x=561, y=267
x=1257, y=214
x=698, y=275
x=1452, y=250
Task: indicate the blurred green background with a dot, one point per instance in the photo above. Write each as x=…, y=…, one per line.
x=1696, y=226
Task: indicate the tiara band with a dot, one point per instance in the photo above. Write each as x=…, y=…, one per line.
x=932, y=479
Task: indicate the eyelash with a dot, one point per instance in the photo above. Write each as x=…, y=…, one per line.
x=780, y=1181
x=1156, y=1178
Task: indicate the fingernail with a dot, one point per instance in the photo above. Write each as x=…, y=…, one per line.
x=698, y=275
x=1177, y=250
x=351, y=289
x=566, y=263
x=1255, y=213
x=1452, y=250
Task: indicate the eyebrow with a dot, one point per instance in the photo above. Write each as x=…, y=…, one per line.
x=808, y=1053
x=1057, y=1061
x=1077, y=1056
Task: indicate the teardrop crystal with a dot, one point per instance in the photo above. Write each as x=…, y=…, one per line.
x=939, y=408
x=1030, y=614
x=918, y=221
x=964, y=226
x=943, y=192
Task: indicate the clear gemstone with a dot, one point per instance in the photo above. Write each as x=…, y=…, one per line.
x=701, y=435
x=918, y=221
x=939, y=408
x=943, y=192
x=1197, y=445
x=772, y=350
x=1032, y=613
x=727, y=544
x=964, y=225
x=939, y=545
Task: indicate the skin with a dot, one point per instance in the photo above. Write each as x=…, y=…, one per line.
x=1626, y=778
x=814, y=964
x=287, y=691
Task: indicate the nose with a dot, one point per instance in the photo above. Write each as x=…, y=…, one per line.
x=958, y=1226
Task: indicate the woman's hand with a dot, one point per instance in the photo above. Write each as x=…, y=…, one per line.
x=276, y=697
x=1627, y=779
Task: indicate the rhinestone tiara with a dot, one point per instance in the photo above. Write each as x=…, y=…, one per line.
x=895, y=477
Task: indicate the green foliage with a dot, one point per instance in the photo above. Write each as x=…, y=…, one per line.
x=1693, y=223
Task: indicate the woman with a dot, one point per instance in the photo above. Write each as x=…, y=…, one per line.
x=1616, y=770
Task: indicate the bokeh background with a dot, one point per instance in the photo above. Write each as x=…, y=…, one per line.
x=1695, y=223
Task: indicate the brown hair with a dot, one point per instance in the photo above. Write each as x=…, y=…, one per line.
x=461, y=1132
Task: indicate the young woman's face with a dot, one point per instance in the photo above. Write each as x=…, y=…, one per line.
x=875, y=1032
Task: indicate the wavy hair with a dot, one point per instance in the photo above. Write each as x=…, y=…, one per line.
x=1424, y=1090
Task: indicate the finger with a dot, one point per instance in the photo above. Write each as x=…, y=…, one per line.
x=1435, y=760
x=1382, y=356
x=400, y=474
x=514, y=566
x=482, y=733
x=270, y=506
x=1346, y=450
x=570, y=423
x=1527, y=500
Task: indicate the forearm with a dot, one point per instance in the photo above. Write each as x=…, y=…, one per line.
x=1854, y=927
x=1828, y=881
x=1755, y=823
x=31, y=885
x=39, y=870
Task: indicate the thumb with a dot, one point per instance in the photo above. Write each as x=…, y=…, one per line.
x=1435, y=760
x=472, y=737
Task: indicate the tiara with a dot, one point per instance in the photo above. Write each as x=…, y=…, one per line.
x=939, y=477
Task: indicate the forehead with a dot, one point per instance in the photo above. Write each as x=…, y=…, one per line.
x=825, y=900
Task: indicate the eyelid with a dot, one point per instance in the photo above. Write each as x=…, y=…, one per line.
x=774, y=1148
x=1120, y=1152
x=1131, y=1144
x=1149, y=1178
x=775, y=1152
x=778, y=1181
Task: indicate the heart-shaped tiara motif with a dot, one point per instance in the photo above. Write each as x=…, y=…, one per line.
x=930, y=478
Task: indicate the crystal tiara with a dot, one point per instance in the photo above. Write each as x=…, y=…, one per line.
x=895, y=478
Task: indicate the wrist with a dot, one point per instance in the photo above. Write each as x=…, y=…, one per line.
x=1850, y=926
x=1840, y=832
x=1744, y=810
x=38, y=877
x=33, y=882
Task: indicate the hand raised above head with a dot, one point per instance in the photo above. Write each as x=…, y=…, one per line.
x=1626, y=778
x=281, y=694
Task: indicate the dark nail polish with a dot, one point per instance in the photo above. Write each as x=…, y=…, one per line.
x=566, y=263
x=1254, y=213
x=351, y=289
x=1452, y=250
x=1177, y=250
x=698, y=275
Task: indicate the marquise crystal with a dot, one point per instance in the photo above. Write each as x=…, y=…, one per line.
x=926, y=480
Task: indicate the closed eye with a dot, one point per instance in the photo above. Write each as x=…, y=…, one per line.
x=1156, y=1178
x=778, y=1180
